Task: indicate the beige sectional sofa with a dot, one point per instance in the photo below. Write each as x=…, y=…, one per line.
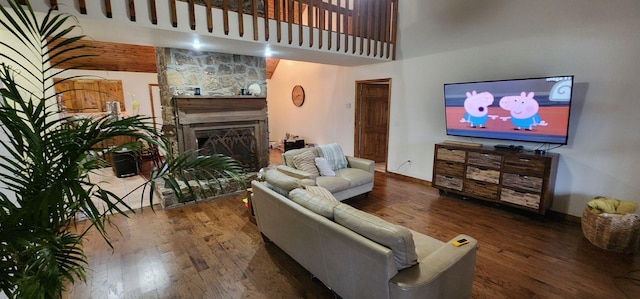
x=359, y=255
x=355, y=179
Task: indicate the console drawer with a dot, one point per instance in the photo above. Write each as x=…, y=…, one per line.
x=518, y=181
x=531, y=200
x=451, y=155
x=483, y=174
x=450, y=182
x=481, y=189
x=485, y=159
x=524, y=165
x=449, y=168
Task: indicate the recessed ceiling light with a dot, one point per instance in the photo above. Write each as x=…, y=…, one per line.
x=196, y=44
x=267, y=52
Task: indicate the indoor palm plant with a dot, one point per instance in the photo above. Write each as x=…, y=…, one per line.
x=45, y=160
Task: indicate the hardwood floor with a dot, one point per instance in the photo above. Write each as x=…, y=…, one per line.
x=211, y=250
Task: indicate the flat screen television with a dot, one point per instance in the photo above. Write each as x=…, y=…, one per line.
x=532, y=110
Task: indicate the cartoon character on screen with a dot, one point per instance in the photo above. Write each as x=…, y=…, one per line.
x=477, y=107
x=524, y=111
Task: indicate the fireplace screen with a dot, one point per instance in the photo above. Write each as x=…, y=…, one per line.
x=237, y=143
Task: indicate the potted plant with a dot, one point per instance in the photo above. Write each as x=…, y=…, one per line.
x=45, y=160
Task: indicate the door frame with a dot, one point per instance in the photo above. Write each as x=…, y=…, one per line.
x=357, y=118
x=153, y=86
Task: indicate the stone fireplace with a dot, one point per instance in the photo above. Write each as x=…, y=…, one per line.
x=234, y=126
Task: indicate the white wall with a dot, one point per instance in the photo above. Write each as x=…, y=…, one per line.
x=445, y=41
x=323, y=118
x=7, y=37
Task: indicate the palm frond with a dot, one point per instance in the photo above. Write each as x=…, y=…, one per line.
x=44, y=169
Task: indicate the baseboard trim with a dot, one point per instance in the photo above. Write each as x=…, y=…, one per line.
x=408, y=178
x=564, y=217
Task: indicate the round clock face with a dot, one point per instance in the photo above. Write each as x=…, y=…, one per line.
x=297, y=95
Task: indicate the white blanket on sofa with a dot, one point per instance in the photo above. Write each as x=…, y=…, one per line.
x=333, y=154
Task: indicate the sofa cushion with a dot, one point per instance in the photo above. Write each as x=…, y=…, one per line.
x=318, y=190
x=277, y=189
x=323, y=166
x=283, y=182
x=306, y=162
x=355, y=176
x=316, y=203
x=333, y=183
x=397, y=238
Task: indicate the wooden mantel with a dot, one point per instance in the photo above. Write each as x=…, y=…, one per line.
x=203, y=104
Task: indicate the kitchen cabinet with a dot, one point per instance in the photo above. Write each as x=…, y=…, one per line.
x=89, y=95
x=111, y=90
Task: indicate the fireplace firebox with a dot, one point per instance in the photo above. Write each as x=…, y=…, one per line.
x=233, y=126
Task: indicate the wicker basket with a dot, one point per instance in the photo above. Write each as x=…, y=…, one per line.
x=613, y=232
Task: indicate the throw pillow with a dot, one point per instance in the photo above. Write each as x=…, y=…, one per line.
x=322, y=191
x=305, y=161
x=323, y=165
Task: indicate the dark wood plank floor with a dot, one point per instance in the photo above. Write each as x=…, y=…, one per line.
x=211, y=250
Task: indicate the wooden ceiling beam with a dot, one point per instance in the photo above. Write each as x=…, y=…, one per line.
x=106, y=56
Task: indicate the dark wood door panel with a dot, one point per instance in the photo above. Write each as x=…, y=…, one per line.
x=374, y=121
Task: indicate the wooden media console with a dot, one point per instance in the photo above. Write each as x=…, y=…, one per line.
x=519, y=179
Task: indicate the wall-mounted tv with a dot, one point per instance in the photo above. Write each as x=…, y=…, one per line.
x=532, y=110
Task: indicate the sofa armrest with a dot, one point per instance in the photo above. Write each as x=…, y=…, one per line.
x=361, y=163
x=445, y=273
x=296, y=173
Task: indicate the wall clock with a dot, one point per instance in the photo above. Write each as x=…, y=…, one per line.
x=297, y=95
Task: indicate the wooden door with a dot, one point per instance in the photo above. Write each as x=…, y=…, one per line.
x=111, y=90
x=372, y=120
x=88, y=92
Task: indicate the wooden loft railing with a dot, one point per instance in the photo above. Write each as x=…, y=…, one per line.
x=364, y=27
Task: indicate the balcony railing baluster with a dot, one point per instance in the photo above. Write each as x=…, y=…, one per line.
x=254, y=13
x=153, y=13
x=240, y=17
x=300, y=31
x=173, y=13
x=365, y=26
x=209, y=16
x=132, y=11
x=267, y=6
x=192, y=14
x=83, y=7
x=225, y=15
x=107, y=9
x=278, y=18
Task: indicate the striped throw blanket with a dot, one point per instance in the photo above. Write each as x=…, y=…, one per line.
x=333, y=154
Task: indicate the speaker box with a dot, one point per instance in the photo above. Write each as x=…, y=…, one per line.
x=124, y=163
